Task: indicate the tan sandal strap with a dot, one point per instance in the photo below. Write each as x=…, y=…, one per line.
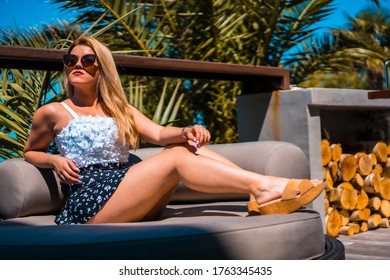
x=290, y=191
x=305, y=186
x=252, y=206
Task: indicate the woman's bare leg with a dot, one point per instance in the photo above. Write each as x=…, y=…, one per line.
x=204, y=151
x=147, y=182
x=156, y=212
x=210, y=153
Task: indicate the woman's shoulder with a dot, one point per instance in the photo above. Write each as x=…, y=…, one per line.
x=52, y=109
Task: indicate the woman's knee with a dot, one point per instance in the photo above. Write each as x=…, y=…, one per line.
x=182, y=148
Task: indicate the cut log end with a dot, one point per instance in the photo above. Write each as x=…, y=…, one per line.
x=333, y=223
x=348, y=167
x=325, y=152
x=357, y=196
x=380, y=151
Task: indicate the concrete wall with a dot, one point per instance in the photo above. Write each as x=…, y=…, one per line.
x=300, y=116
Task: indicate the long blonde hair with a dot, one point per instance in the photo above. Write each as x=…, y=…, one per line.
x=111, y=95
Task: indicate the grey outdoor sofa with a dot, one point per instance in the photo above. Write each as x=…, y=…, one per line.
x=194, y=225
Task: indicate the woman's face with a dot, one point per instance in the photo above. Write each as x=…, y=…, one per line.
x=83, y=67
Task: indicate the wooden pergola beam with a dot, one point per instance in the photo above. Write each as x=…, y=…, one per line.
x=254, y=78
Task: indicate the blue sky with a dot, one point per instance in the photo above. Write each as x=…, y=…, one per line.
x=24, y=13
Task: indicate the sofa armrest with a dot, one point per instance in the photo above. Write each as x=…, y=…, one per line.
x=26, y=190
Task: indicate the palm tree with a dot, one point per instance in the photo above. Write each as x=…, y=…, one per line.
x=367, y=44
x=352, y=57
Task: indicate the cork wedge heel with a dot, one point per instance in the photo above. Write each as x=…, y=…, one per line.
x=296, y=194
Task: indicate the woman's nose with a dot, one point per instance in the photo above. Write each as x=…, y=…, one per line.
x=79, y=65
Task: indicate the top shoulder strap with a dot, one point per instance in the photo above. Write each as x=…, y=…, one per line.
x=71, y=112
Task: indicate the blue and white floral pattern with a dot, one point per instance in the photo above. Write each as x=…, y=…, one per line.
x=85, y=199
x=89, y=140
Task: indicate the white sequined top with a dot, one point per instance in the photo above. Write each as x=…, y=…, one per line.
x=89, y=140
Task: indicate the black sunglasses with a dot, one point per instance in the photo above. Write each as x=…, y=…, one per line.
x=70, y=60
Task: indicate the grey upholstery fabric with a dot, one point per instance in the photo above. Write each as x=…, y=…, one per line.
x=26, y=190
x=218, y=230
x=194, y=225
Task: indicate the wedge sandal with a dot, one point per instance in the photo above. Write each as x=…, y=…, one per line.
x=296, y=194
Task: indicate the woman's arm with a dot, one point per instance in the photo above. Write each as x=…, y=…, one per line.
x=41, y=135
x=160, y=135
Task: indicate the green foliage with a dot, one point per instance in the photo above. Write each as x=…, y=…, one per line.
x=19, y=98
x=358, y=51
x=165, y=113
x=23, y=91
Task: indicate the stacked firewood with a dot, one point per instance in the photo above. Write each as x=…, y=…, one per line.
x=357, y=188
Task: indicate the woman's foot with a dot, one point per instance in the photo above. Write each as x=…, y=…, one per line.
x=280, y=195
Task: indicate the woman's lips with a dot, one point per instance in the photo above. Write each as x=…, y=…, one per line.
x=77, y=73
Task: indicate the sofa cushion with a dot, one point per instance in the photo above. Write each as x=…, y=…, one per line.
x=219, y=230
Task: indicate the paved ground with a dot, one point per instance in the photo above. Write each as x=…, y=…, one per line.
x=369, y=245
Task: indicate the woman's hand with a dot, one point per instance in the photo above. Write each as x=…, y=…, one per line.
x=66, y=170
x=198, y=134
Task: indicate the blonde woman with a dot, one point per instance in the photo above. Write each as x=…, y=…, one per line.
x=95, y=128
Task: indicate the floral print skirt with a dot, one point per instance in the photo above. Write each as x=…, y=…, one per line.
x=85, y=199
